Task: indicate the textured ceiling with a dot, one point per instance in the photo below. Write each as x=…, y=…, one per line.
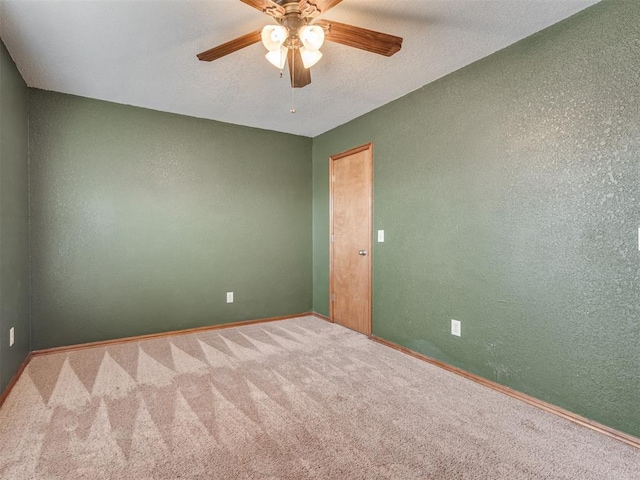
x=143, y=53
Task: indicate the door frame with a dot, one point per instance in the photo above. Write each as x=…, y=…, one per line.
x=333, y=158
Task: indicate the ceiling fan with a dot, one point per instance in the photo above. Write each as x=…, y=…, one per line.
x=298, y=37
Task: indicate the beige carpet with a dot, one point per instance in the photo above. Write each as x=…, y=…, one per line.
x=296, y=399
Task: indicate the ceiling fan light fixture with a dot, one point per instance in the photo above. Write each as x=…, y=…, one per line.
x=310, y=57
x=273, y=36
x=297, y=37
x=278, y=58
x=312, y=37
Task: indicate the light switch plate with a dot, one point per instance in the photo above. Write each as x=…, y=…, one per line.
x=380, y=236
x=229, y=297
x=456, y=328
x=12, y=338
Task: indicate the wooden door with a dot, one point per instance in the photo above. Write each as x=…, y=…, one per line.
x=351, y=176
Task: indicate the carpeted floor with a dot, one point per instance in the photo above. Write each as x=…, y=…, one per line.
x=298, y=398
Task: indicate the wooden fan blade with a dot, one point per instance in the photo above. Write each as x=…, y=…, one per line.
x=321, y=5
x=325, y=5
x=300, y=76
x=230, y=47
x=266, y=6
x=369, y=40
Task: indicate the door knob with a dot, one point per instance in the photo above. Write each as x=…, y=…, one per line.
x=362, y=252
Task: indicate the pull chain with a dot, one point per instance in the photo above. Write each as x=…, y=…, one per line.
x=281, y=53
x=293, y=79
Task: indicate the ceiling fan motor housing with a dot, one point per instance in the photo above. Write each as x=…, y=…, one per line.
x=293, y=19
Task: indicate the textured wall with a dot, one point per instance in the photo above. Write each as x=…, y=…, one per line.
x=14, y=218
x=509, y=193
x=142, y=221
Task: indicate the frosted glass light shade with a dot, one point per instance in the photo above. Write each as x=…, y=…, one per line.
x=273, y=36
x=309, y=57
x=312, y=37
x=277, y=58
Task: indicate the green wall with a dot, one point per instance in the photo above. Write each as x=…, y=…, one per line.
x=14, y=219
x=141, y=221
x=509, y=194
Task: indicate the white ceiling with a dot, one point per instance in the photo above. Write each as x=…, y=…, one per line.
x=143, y=53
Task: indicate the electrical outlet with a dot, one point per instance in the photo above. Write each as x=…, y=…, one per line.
x=12, y=338
x=456, y=328
x=229, y=297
